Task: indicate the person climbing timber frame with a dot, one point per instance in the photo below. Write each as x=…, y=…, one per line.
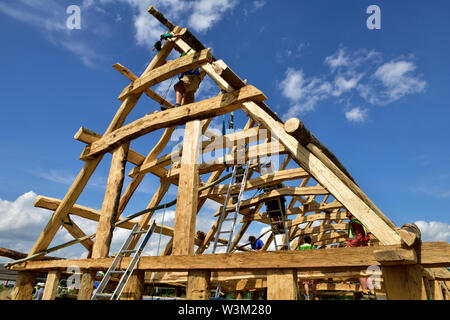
x=187, y=86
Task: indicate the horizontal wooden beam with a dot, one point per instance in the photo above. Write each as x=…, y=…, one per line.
x=287, y=191
x=222, y=104
x=166, y=71
x=91, y=214
x=252, y=153
x=433, y=254
x=265, y=180
x=215, y=144
x=320, y=229
x=263, y=217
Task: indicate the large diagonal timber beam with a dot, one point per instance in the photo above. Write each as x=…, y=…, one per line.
x=222, y=104
x=89, y=167
x=377, y=223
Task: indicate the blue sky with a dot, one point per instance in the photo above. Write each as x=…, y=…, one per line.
x=377, y=98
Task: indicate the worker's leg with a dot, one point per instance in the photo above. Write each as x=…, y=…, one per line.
x=306, y=289
x=179, y=91
x=363, y=282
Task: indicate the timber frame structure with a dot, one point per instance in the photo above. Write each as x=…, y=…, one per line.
x=409, y=269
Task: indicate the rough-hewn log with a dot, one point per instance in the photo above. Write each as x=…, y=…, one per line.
x=295, y=127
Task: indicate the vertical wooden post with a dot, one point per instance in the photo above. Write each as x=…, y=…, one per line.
x=281, y=284
x=51, y=285
x=404, y=282
x=23, y=289
x=110, y=203
x=187, y=199
x=134, y=289
x=239, y=295
x=86, y=285
x=198, y=285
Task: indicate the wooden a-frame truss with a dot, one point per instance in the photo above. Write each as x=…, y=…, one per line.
x=322, y=190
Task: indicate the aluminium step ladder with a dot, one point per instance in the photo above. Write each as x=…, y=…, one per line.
x=125, y=275
x=239, y=176
x=277, y=215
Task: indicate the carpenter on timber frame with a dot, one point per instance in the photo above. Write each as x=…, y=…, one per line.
x=323, y=189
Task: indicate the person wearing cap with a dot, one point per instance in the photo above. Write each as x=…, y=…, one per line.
x=256, y=245
x=40, y=291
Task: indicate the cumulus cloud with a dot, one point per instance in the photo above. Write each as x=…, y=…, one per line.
x=304, y=93
x=356, y=115
x=398, y=80
x=20, y=220
x=360, y=73
x=434, y=230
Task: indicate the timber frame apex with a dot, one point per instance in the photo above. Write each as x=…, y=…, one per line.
x=316, y=184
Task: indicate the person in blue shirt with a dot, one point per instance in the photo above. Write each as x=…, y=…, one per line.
x=256, y=245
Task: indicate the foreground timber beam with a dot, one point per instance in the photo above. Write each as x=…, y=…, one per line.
x=222, y=104
x=433, y=254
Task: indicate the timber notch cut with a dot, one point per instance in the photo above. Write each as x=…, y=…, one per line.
x=281, y=176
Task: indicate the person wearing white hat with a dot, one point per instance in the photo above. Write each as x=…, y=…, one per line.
x=40, y=291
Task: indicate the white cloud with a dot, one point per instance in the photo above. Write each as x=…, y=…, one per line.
x=20, y=220
x=362, y=72
x=343, y=84
x=434, y=230
x=206, y=13
x=398, y=80
x=356, y=115
x=338, y=59
x=303, y=93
